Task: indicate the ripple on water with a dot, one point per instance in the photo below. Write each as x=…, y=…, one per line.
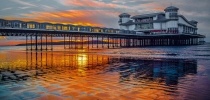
x=66, y=75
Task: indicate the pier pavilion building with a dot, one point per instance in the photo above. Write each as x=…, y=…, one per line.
x=167, y=22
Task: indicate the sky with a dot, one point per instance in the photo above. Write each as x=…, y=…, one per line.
x=102, y=13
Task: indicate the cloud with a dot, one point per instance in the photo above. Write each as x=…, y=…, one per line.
x=25, y=3
x=47, y=8
x=23, y=8
x=78, y=17
x=90, y=4
x=6, y=9
x=100, y=12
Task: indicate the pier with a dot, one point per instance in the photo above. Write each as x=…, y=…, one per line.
x=39, y=36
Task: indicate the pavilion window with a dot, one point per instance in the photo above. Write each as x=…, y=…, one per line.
x=13, y=24
x=58, y=27
x=94, y=30
x=49, y=27
x=37, y=26
x=64, y=28
x=17, y=25
x=8, y=24
x=84, y=29
x=54, y=27
x=76, y=28
x=30, y=26
x=2, y=23
x=72, y=28
x=44, y=27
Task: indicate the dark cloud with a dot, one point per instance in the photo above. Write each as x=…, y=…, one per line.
x=198, y=10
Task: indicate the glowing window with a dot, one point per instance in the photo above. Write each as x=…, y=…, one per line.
x=65, y=28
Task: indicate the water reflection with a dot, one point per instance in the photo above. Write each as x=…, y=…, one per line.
x=39, y=63
x=85, y=75
x=168, y=70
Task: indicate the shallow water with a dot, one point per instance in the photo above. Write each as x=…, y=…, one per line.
x=129, y=73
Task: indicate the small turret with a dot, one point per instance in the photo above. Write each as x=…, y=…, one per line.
x=124, y=18
x=171, y=12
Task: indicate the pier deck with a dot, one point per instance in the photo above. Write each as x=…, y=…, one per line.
x=113, y=40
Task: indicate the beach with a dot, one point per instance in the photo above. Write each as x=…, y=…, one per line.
x=172, y=72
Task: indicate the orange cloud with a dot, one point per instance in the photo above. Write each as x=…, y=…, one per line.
x=89, y=13
x=155, y=6
x=78, y=17
x=90, y=3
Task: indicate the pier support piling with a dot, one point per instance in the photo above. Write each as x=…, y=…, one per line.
x=36, y=42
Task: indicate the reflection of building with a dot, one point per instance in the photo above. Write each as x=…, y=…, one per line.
x=167, y=70
x=164, y=22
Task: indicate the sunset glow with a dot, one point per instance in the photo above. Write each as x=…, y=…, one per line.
x=2, y=37
x=100, y=13
x=104, y=49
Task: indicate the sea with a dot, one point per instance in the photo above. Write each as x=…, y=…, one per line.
x=143, y=73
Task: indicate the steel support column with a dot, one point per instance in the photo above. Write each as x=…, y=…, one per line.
x=26, y=42
x=51, y=42
x=64, y=36
x=46, y=42
x=36, y=41
x=97, y=41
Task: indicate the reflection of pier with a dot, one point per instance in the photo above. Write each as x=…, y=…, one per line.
x=52, y=63
x=44, y=63
x=163, y=70
x=67, y=61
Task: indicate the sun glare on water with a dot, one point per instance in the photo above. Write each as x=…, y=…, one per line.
x=2, y=38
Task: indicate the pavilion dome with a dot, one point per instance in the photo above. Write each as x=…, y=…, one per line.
x=124, y=15
x=171, y=8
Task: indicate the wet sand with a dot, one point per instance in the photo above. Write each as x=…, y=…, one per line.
x=122, y=74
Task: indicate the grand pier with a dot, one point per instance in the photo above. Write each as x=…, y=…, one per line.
x=40, y=36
